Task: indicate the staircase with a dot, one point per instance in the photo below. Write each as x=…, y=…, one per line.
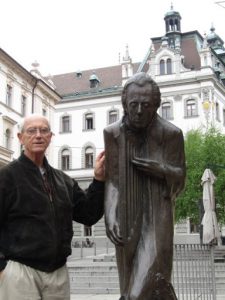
x=99, y=275
x=94, y=276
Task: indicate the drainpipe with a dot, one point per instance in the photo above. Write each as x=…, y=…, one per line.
x=35, y=85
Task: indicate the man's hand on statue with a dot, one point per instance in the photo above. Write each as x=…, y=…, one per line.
x=99, y=171
x=149, y=166
x=113, y=234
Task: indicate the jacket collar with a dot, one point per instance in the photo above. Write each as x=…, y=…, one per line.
x=30, y=164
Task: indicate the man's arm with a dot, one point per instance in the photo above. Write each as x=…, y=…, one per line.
x=88, y=206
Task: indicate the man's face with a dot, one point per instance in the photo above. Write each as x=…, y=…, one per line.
x=139, y=105
x=35, y=136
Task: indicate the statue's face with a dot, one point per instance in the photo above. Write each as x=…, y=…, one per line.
x=140, y=106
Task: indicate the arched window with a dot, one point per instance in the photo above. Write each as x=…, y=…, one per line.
x=169, y=66
x=191, y=108
x=9, y=95
x=165, y=66
x=89, y=155
x=88, y=121
x=65, y=124
x=166, y=110
x=113, y=116
x=162, y=67
x=217, y=112
x=23, y=105
x=65, y=159
x=8, y=138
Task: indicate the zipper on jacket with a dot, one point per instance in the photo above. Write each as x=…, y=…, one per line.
x=47, y=186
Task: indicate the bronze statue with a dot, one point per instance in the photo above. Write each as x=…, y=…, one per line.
x=145, y=171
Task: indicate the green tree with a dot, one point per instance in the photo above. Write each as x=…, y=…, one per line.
x=202, y=150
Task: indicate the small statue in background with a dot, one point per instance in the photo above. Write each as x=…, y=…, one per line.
x=145, y=171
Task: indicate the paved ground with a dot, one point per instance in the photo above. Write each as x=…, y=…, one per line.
x=95, y=297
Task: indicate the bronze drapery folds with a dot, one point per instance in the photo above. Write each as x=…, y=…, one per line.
x=145, y=171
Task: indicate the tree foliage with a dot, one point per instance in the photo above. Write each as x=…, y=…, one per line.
x=202, y=150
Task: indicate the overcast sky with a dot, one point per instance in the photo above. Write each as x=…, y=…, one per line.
x=70, y=35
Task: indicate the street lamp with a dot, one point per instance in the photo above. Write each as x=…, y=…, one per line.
x=207, y=105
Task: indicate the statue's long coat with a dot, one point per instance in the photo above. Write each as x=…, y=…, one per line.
x=145, y=260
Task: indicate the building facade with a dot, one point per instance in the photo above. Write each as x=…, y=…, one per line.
x=188, y=67
x=190, y=71
x=21, y=93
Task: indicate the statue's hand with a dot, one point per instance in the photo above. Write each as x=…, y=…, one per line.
x=113, y=233
x=149, y=166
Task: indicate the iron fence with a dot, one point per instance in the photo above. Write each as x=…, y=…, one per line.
x=193, y=275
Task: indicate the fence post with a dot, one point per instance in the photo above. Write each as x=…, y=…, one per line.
x=212, y=250
x=81, y=251
x=95, y=249
x=107, y=247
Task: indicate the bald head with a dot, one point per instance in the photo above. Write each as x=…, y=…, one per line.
x=29, y=119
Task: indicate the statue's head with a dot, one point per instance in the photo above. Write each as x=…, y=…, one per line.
x=140, y=99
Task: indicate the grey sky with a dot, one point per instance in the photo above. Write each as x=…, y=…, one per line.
x=70, y=35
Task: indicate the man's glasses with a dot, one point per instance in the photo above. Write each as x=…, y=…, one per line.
x=34, y=131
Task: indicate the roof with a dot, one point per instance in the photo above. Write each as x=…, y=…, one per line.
x=188, y=48
x=28, y=74
x=78, y=82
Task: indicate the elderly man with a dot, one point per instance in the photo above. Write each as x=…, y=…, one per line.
x=37, y=206
x=145, y=171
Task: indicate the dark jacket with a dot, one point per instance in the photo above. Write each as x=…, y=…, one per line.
x=36, y=229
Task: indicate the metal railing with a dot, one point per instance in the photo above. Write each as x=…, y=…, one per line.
x=193, y=275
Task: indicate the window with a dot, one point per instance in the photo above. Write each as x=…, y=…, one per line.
x=65, y=159
x=94, y=81
x=191, y=108
x=162, y=67
x=217, y=112
x=165, y=66
x=223, y=117
x=87, y=230
x=65, y=123
x=89, y=153
x=23, y=105
x=44, y=112
x=113, y=116
x=89, y=121
x=8, y=138
x=166, y=110
x=169, y=66
x=9, y=95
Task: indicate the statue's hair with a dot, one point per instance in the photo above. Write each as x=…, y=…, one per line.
x=142, y=79
x=31, y=116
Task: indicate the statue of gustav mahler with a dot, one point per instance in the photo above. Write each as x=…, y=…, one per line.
x=145, y=171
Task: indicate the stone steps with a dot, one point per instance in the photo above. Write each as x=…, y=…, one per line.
x=99, y=275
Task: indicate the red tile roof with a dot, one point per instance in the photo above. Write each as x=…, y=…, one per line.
x=70, y=83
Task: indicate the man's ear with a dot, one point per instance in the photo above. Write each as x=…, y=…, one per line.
x=19, y=135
